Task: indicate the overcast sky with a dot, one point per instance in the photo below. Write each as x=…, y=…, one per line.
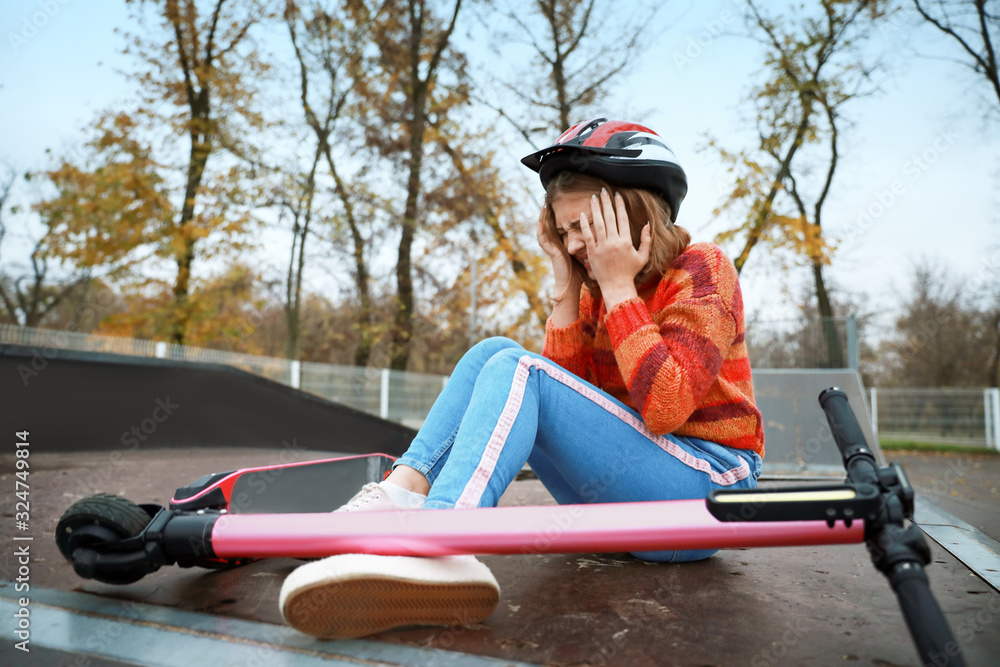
x=918, y=179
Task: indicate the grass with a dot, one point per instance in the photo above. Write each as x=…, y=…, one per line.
x=914, y=446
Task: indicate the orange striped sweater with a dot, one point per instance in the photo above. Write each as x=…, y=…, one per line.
x=676, y=354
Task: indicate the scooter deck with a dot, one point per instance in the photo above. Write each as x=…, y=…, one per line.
x=304, y=487
x=243, y=505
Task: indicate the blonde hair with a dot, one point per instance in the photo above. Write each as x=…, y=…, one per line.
x=667, y=240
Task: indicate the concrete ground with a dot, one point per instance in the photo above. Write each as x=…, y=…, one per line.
x=966, y=485
x=776, y=606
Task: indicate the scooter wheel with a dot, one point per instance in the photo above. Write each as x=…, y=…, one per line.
x=98, y=519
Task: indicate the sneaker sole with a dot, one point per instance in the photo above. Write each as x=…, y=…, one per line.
x=348, y=608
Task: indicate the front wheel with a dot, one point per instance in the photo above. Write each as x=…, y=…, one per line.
x=97, y=520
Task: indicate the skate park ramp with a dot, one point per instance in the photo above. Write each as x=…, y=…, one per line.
x=96, y=401
x=797, y=435
x=787, y=605
x=89, y=400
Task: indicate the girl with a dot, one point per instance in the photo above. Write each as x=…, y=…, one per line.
x=642, y=391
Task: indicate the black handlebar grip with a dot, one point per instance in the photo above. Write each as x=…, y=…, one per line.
x=844, y=425
x=858, y=458
x=927, y=624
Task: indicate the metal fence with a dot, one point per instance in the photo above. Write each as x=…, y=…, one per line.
x=822, y=342
x=961, y=416
x=396, y=395
x=279, y=370
x=940, y=415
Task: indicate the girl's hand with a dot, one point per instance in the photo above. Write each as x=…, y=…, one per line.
x=562, y=267
x=614, y=261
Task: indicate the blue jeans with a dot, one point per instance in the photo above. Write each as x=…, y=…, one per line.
x=504, y=406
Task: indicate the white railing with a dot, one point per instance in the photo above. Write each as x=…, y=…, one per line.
x=944, y=415
x=44, y=340
x=961, y=416
x=396, y=395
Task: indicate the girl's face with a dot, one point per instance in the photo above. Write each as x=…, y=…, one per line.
x=567, y=209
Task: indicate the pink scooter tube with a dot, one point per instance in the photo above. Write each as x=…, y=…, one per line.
x=610, y=527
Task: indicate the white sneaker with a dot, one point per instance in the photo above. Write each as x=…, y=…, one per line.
x=371, y=498
x=354, y=595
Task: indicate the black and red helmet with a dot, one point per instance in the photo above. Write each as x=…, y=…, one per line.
x=620, y=152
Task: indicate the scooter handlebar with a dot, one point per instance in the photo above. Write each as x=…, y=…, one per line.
x=844, y=425
x=849, y=438
x=903, y=565
x=927, y=624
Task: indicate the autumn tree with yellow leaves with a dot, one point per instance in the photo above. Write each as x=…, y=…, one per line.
x=814, y=66
x=481, y=219
x=166, y=178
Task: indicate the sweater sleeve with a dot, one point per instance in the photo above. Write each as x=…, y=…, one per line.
x=572, y=347
x=670, y=364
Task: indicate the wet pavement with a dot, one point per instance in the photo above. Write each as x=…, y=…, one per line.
x=775, y=606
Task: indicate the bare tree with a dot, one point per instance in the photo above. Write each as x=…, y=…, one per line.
x=801, y=342
x=28, y=297
x=941, y=338
x=296, y=197
x=974, y=25
x=330, y=48
x=578, y=48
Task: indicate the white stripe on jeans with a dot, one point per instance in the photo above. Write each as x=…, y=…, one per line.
x=474, y=489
